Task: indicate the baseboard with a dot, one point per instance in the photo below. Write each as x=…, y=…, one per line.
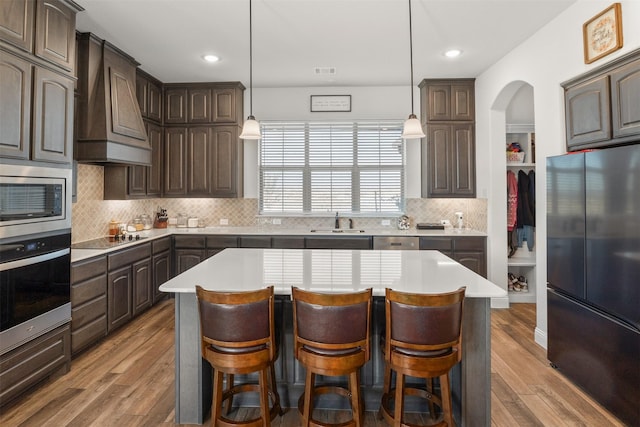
x=540, y=337
x=502, y=302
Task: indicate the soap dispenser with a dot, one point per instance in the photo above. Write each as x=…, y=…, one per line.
x=459, y=217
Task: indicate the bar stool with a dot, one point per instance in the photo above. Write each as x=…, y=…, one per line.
x=237, y=332
x=331, y=337
x=422, y=339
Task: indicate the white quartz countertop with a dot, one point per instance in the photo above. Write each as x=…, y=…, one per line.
x=156, y=233
x=332, y=270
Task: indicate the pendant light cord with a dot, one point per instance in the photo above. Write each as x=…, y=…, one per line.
x=251, y=63
x=411, y=55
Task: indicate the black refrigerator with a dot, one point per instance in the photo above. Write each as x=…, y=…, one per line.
x=593, y=274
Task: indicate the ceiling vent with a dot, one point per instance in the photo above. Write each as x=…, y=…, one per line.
x=324, y=71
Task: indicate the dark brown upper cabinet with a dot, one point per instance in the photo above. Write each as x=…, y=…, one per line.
x=199, y=158
x=175, y=162
x=16, y=23
x=149, y=94
x=587, y=112
x=199, y=103
x=56, y=33
x=448, y=149
x=52, y=139
x=175, y=105
x=15, y=95
x=448, y=100
x=132, y=182
x=602, y=107
x=35, y=125
x=227, y=104
x=44, y=28
x=37, y=62
x=450, y=171
x=625, y=100
x=228, y=156
x=199, y=107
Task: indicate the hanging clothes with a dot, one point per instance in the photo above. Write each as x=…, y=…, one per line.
x=512, y=211
x=526, y=210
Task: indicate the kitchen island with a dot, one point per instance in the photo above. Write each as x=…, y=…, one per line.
x=333, y=271
x=239, y=269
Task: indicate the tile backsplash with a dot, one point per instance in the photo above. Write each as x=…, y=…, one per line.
x=91, y=214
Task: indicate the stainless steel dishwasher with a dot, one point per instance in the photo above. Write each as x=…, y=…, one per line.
x=396, y=242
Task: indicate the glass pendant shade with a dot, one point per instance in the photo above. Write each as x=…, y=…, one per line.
x=251, y=129
x=412, y=128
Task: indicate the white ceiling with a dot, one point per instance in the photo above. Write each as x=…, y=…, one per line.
x=367, y=41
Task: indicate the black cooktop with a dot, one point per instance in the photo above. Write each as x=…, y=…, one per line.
x=107, y=242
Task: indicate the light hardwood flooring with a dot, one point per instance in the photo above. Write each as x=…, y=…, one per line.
x=128, y=380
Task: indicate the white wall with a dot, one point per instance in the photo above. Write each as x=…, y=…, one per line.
x=367, y=103
x=549, y=57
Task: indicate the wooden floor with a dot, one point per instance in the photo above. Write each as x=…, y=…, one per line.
x=128, y=380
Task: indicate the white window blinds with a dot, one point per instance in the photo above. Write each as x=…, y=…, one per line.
x=324, y=167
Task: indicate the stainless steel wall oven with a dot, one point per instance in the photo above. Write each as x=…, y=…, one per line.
x=35, y=286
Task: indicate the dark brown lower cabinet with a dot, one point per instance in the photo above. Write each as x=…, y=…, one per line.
x=469, y=251
x=216, y=244
x=27, y=365
x=120, y=284
x=88, y=302
x=187, y=258
x=189, y=252
x=161, y=273
x=160, y=266
x=141, y=286
x=129, y=284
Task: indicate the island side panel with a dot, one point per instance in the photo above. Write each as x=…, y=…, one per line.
x=193, y=376
x=471, y=379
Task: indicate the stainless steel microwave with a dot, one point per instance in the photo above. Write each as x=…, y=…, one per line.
x=34, y=199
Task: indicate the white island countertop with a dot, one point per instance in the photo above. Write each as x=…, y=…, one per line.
x=332, y=270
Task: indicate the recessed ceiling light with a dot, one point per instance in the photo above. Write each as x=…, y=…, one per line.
x=210, y=58
x=452, y=53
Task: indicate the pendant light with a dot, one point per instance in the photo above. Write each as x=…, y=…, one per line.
x=412, y=128
x=251, y=127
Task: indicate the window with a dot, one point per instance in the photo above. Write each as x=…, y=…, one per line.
x=320, y=167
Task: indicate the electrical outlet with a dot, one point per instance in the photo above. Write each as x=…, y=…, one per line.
x=386, y=222
x=277, y=221
x=224, y=221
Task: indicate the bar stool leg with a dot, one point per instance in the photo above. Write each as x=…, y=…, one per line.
x=274, y=388
x=264, y=397
x=356, y=401
x=307, y=410
x=399, y=401
x=445, y=390
x=217, y=396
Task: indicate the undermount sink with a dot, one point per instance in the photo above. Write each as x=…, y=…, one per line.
x=339, y=230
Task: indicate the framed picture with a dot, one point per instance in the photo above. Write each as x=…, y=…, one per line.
x=603, y=33
x=330, y=103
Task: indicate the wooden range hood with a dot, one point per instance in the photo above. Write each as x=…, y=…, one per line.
x=109, y=124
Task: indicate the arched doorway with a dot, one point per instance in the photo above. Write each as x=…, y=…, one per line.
x=512, y=121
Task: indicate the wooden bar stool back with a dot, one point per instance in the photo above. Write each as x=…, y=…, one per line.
x=332, y=338
x=422, y=339
x=237, y=331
